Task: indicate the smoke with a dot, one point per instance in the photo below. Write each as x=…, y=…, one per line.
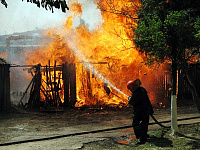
x=22, y=16
x=90, y=17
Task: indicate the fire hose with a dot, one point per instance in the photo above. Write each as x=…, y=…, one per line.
x=95, y=131
x=159, y=123
x=108, y=91
x=83, y=133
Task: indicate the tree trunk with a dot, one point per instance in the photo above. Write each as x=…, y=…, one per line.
x=174, y=124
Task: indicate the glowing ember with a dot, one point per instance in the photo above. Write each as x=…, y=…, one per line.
x=123, y=142
x=132, y=137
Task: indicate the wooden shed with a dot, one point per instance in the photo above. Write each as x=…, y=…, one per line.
x=4, y=85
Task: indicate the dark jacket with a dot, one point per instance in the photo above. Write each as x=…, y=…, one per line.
x=140, y=102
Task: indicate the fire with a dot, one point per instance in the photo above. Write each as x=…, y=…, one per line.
x=106, y=55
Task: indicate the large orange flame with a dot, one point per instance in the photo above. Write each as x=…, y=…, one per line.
x=105, y=57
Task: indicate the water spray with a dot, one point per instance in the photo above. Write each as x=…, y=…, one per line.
x=68, y=38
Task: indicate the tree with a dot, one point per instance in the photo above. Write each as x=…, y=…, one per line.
x=47, y=4
x=170, y=30
x=165, y=31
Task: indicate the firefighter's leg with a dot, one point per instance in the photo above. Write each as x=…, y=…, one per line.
x=144, y=129
x=136, y=126
x=145, y=121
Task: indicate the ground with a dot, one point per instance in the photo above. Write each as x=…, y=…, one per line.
x=93, y=129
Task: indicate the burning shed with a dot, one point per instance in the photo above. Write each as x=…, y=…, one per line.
x=4, y=85
x=51, y=86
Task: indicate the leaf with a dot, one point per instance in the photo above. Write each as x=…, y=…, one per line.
x=4, y=3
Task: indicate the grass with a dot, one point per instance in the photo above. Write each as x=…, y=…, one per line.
x=188, y=138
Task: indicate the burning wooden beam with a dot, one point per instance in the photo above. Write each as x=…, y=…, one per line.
x=65, y=77
x=69, y=81
x=72, y=69
x=34, y=100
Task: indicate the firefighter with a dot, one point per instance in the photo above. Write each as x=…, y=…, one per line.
x=142, y=108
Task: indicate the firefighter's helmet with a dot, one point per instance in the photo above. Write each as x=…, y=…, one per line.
x=133, y=85
x=130, y=85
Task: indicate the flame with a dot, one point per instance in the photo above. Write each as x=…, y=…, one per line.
x=106, y=55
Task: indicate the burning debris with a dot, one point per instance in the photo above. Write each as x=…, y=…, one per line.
x=90, y=67
x=51, y=86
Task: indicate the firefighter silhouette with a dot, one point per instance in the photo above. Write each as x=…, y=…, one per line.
x=142, y=109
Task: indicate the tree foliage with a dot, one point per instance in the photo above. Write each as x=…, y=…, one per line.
x=163, y=30
x=170, y=30
x=166, y=29
x=47, y=4
x=4, y=3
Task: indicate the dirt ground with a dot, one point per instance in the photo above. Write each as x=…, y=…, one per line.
x=83, y=128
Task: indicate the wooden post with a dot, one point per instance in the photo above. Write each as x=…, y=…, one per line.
x=50, y=81
x=89, y=88
x=72, y=84
x=47, y=84
x=38, y=86
x=34, y=100
x=4, y=87
x=54, y=85
x=65, y=77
